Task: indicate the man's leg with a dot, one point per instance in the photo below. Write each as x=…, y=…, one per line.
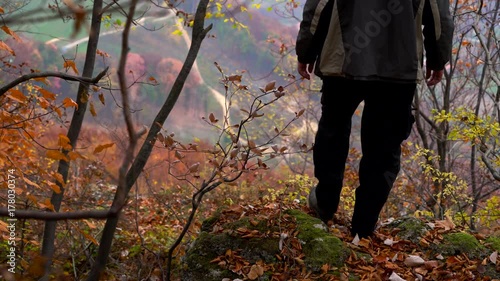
x=386, y=122
x=331, y=144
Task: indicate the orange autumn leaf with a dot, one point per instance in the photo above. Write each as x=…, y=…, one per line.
x=68, y=102
x=7, y=30
x=64, y=142
x=56, y=155
x=101, y=98
x=71, y=64
x=27, y=181
x=102, y=147
x=45, y=93
x=43, y=80
x=6, y=47
x=74, y=155
x=1, y=10
x=58, y=177
x=55, y=188
x=92, y=109
x=57, y=110
x=17, y=95
x=46, y=204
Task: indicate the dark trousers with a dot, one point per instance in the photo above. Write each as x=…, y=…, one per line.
x=386, y=122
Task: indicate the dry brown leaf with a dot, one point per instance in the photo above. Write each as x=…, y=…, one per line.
x=413, y=260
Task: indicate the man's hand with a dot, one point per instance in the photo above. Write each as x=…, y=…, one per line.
x=304, y=70
x=434, y=75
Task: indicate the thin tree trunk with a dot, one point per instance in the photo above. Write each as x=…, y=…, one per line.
x=198, y=34
x=73, y=133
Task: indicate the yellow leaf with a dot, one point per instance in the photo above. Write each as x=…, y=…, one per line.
x=101, y=147
x=17, y=95
x=46, y=94
x=67, y=102
x=177, y=32
x=6, y=47
x=56, y=155
x=7, y=30
x=92, y=109
x=71, y=64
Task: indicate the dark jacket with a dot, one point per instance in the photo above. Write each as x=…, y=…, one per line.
x=375, y=39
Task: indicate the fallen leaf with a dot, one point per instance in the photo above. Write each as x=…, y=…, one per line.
x=413, y=260
x=493, y=257
x=395, y=277
x=355, y=241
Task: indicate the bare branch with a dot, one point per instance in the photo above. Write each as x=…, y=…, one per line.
x=62, y=75
x=489, y=165
x=54, y=216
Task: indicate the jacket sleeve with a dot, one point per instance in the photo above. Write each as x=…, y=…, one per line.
x=313, y=27
x=438, y=33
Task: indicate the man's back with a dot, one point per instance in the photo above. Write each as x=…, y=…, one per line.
x=368, y=39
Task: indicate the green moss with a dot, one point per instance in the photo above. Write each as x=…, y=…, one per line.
x=493, y=243
x=461, y=243
x=196, y=263
x=261, y=226
x=318, y=245
x=197, y=266
x=410, y=228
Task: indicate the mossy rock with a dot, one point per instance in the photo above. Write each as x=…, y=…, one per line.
x=318, y=245
x=461, y=243
x=197, y=262
x=410, y=228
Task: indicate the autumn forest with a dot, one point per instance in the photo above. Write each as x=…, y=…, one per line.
x=172, y=140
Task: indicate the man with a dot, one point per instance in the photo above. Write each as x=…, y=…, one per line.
x=370, y=51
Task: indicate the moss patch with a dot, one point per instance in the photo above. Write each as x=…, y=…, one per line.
x=197, y=265
x=318, y=245
x=493, y=243
x=461, y=243
x=410, y=228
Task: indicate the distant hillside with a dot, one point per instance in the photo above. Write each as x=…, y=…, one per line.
x=160, y=54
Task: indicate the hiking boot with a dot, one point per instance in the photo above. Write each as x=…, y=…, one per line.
x=313, y=205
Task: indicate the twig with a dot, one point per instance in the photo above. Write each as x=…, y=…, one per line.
x=62, y=75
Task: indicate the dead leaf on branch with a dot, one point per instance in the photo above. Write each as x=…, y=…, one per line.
x=270, y=86
x=67, y=102
x=7, y=30
x=56, y=155
x=212, y=118
x=16, y=95
x=70, y=64
x=102, y=147
x=6, y=47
